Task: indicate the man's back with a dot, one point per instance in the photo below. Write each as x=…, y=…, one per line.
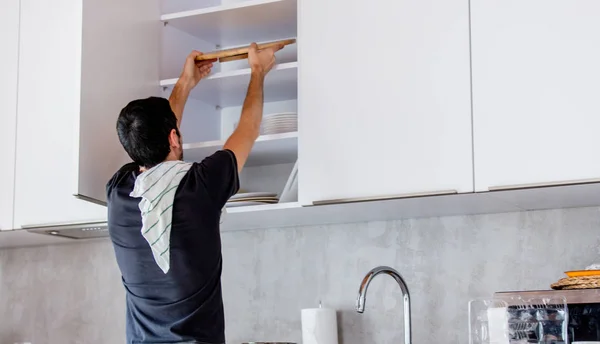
x=185, y=304
x=170, y=255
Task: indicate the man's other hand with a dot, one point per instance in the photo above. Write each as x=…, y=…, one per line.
x=261, y=61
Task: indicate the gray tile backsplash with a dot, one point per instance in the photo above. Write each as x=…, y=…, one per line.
x=72, y=293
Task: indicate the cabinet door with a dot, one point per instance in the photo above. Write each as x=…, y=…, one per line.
x=80, y=62
x=536, y=87
x=9, y=62
x=48, y=108
x=384, y=98
x=120, y=63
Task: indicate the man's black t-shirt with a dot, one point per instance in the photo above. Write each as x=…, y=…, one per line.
x=185, y=304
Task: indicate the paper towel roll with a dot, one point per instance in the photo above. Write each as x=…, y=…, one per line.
x=319, y=326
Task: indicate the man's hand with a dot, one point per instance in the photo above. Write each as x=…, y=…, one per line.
x=194, y=71
x=191, y=75
x=261, y=61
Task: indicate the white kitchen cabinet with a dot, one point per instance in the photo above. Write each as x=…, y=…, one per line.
x=80, y=63
x=215, y=105
x=9, y=62
x=536, y=75
x=384, y=99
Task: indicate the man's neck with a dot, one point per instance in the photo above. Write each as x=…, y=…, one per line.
x=169, y=158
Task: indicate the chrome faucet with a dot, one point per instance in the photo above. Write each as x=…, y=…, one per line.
x=362, y=295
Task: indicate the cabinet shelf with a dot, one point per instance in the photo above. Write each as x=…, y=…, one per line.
x=268, y=149
x=229, y=88
x=239, y=23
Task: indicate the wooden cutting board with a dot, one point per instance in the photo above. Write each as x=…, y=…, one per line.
x=241, y=52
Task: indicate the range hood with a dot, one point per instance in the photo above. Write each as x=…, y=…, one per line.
x=86, y=230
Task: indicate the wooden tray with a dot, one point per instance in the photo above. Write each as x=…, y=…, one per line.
x=241, y=52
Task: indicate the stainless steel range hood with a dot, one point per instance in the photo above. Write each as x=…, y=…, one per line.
x=87, y=230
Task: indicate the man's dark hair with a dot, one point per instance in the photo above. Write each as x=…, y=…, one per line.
x=143, y=127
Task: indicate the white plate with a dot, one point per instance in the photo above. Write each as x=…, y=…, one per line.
x=271, y=125
x=279, y=123
x=255, y=199
x=275, y=118
x=269, y=133
x=289, y=128
x=275, y=125
x=275, y=132
x=243, y=204
x=290, y=191
x=280, y=114
x=278, y=130
x=259, y=200
x=283, y=124
x=253, y=195
x=272, y=118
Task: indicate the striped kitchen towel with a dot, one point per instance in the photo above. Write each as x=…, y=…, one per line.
x=157, y=187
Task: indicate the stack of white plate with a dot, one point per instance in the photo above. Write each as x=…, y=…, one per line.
x=278, y=123
x=252, y=198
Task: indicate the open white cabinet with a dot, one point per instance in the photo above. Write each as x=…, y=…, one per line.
x=82, y=62
x=214, y=107
x=79, y=63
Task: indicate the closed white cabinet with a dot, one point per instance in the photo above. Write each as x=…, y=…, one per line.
x=536, y=88
x=9, y=62
x=384, y=98
x=70, y=94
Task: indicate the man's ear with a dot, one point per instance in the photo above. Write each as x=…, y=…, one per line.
x=174, y=139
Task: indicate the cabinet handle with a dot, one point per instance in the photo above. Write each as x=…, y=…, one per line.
x=384, y=198
x=90, y=199
x=541, y=185
x=64, y=225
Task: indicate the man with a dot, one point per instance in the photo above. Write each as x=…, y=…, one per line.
x=164, y=214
